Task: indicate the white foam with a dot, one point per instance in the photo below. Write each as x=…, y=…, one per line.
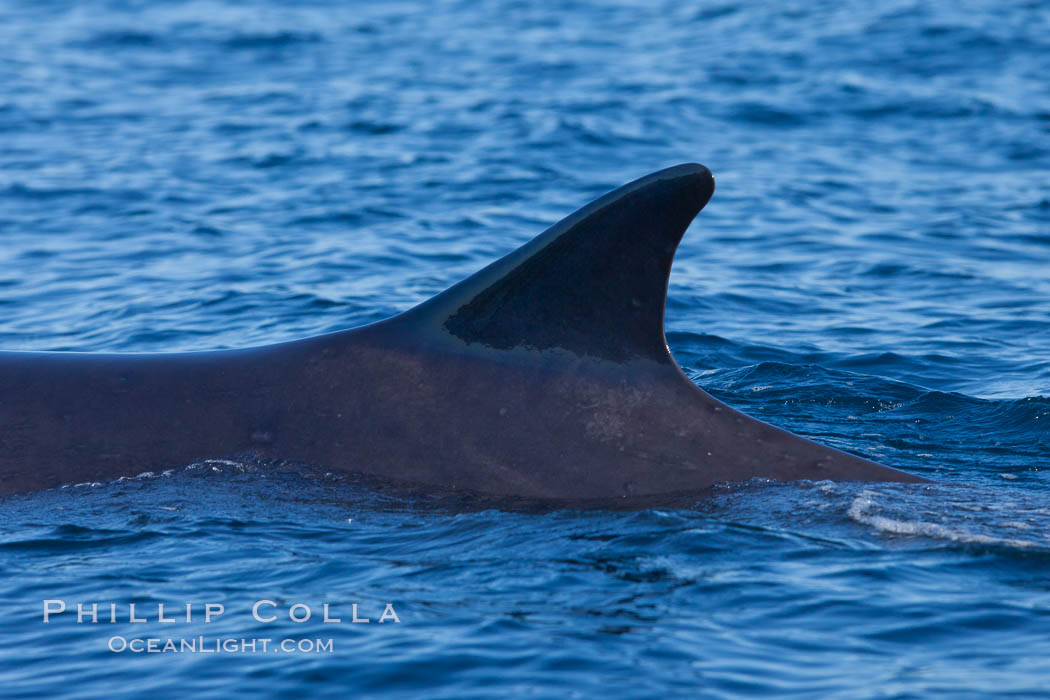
x=863, y=508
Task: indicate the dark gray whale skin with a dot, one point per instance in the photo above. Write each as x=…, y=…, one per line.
x=545, y=375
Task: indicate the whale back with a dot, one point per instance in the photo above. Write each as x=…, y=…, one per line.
x=546, y=374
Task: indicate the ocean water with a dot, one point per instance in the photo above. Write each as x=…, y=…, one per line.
x=873, y=272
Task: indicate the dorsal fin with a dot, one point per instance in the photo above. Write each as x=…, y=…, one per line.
x=593, y=284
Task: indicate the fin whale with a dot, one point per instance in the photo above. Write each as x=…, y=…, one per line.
x=545, y=375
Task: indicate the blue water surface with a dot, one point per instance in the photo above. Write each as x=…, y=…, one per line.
x=873, y=272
